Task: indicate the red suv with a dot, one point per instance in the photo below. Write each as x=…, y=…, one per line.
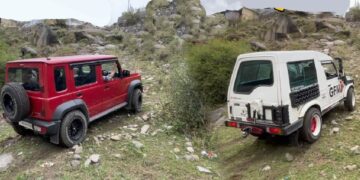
x=58, y=97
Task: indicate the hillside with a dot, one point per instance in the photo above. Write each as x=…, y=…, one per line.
x=154, y=41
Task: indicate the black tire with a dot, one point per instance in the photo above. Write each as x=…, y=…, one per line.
x=137, y=101
x=73, y=128
x=350, y=100
x=21, y=130
x=311, y=131
x=15, y=101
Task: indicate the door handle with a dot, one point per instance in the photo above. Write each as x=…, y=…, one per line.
x=107, y=87
x=79, y=94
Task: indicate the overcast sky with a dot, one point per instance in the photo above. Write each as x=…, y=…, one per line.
x=105, y=12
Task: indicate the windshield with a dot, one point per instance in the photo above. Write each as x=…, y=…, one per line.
x=28, y=77
x=252, y=74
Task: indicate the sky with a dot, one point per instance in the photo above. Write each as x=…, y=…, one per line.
x=106, y=12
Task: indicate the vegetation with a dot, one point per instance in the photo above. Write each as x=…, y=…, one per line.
x=355, y=13
x=6, y=53
x=211, y=65
x=185, y=108
x=131, y=17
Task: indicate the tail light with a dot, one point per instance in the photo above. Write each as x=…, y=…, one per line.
x=232, y=124
x=274, y=130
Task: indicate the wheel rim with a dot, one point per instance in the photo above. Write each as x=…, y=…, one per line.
x=9, y=104
x=353, y=99
x=315, y=125
x=75, y=130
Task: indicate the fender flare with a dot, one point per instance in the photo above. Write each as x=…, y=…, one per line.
x=62, y=110
x=308, y=105
x=133, y=85
x=347, y=89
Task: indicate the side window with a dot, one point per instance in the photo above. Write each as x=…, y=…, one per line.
x=330, y=70
x=109, y=70
x=84, y=74
x=301, y=74
x=60, y=80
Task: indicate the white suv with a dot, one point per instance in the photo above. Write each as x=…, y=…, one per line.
x=281, y=92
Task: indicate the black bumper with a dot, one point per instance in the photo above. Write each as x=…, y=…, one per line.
x=285, y=129
x=52, y=127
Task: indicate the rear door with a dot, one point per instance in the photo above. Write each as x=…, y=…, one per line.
x=87, y=87
x=253, y=85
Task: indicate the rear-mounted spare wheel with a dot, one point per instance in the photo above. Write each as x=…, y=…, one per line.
x=15, y=102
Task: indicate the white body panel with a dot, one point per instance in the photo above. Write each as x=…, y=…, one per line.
x=279, y=93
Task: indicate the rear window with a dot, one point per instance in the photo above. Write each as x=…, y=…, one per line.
x=28, y=77
x=302, y=74
x=252, y=74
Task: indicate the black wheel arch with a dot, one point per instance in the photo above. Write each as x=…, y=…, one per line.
x=63, y=109
x=135, y=84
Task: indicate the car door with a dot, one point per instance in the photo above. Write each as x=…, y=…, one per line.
x=113, y=87
x=87, y=88
x=332, y=83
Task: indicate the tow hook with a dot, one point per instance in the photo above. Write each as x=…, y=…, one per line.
x=246, y=132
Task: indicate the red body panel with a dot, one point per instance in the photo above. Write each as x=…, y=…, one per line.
x=98, y=96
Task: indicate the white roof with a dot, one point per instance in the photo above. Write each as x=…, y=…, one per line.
x=285, y=56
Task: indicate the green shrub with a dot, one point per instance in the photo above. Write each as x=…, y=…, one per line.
x=131, y=17
x=185, y=109
x=6, y=54
x=211, y=65
x=355, y=13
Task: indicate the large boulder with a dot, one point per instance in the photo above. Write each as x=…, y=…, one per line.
x=44, y=36
x=80, y=35
x=281, y=29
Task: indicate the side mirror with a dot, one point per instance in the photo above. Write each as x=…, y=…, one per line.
x=339, y=63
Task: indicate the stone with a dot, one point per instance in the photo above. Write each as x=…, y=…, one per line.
x=350, y=167
x=116, y=137
x=289, y=157
x=75, y=163
x=145, y=129
x=47, y=164
x=188, y=144
x=5, y=161
x=349, y=118
x=266, y=168
x=145, y=117
x=339, y=42
x=176, y=150
x=94, y=158
x=119, y=156
x=355, y=150
x=333, y=122
x=159, y=46
x=28, y=51
x=138, y=144
x=311, y=165
x=190, y=149
x=110, y=46
x=335, y=130
x=202, y=169
x=257, y=46
x=44, y=36
x=77, y=149
x=192, y=157
x=77, y=157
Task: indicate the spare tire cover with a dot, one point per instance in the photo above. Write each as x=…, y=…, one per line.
x=15, y=101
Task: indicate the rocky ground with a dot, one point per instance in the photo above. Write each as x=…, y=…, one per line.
x=144, y=146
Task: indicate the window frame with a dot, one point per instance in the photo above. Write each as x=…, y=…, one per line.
x=117, y=75
x=84, y=64
x=66, y=82
x=255, y=87
x=333, y=76
x=300, y=61
x=28, y=67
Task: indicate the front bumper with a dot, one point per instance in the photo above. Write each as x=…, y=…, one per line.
x=270, y=128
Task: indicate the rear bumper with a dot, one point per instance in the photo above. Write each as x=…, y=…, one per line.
x=41, y=127
x=269, y=128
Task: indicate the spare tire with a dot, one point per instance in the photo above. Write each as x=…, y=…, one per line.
x=15, y=101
